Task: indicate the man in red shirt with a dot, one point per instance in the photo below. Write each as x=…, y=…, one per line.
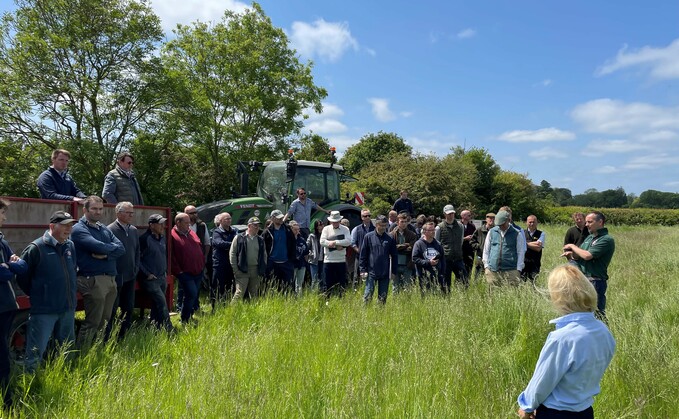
x=188, y=262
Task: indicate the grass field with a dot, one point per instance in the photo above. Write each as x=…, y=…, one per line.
x=468, y=355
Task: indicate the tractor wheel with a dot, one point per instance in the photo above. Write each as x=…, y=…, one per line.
x=18, y=336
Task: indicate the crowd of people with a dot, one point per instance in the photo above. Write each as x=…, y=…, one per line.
x=104, y=262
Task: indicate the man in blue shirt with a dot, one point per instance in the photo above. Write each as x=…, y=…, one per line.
x=300, y=211
x=280, y=249
x=378, y=253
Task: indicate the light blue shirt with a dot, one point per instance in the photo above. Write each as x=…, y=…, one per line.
x=301, y=212
x=571, y=365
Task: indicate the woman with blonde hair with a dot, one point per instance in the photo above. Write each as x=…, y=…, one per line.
x=574, y=357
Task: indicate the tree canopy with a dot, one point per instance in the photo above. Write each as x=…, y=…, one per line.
x=372, y=148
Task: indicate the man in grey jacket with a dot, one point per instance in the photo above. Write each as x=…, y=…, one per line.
x=127, y=266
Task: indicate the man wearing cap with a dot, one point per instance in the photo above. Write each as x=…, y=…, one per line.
x=281, y=249
x=450, y=233
x=153, y=270
x=479, y=240
x=50, y=281
x=503, y=252
x=97, y=249
x=248, y=260
x=378, y=261
x=300, y=211
x=188, y=263
x=334, y=239
x=127, y=266
x=120, y=184
x=56, y=183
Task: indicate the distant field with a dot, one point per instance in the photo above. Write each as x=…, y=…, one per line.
x=468, y=355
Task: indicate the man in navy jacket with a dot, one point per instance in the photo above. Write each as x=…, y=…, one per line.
x=378, y=253
x=50, y=281
x=56, y=183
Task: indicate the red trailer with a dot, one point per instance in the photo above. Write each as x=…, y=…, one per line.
x=28, y=218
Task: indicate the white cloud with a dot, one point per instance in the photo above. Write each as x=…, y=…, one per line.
x=662, y=63
x=662, y=135
x=327, y=40
x=605, y=170
x=652, y=161
x=172, y=12
x=380, y=109
x=613, y=117
x=466, y=33
x=432, y=142
x=540, y=135
x=547, y=153
x=326, y=122
x=406, y=114
x=326, y=126
x=601, y=147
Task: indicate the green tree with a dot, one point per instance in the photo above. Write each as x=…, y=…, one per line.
x=313, y=147
x=487, y=169
x=432, y=182
x=518, y=192
x=78, y=74
x=372, y=148
x=237, y=92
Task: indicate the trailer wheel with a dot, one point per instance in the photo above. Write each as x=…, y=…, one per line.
x=18, y=336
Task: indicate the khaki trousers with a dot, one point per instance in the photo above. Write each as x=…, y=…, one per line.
x=99, y=294
x=246, y=282
x=512, y=277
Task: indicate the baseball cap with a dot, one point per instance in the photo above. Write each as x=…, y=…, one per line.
x=254, y=220
x=277, y=214
x=62, y=217
x=448, y=209
x=156, y=219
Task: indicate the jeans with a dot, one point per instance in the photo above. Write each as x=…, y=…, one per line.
x=335, y=277
x=191, y=285
x=155, y=288
x=299, y=279
x=600, y=285
x=280, y=273
x=454, y=267
x=41, y=327
x=403, y=280
x=317, y=276
x=6, y=320
x=124, y=300
x=222, y=284
x=382, y=288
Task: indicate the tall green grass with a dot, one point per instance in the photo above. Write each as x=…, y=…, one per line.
x=466, y=355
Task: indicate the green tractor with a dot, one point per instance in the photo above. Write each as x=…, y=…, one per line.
x=276, y=190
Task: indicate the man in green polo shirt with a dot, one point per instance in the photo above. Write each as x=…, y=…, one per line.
x=593, y=256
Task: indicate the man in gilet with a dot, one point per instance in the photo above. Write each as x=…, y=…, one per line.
x=535, y=241
x=502, y=252
x=120, y=184
x=450, y=234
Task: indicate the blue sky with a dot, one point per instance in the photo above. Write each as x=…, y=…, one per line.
x=583, y=94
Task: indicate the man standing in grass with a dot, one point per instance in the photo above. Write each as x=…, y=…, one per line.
x=405, y=240
x=335, y=238
x=594, y=256
x=97, y=250
x=429, y=259
x=578, y=233
x=450, y=234
x=535, y=241
x=377, y=254
x=503, y=252
x=51, y=283
x=248, y=259
x=188, y=263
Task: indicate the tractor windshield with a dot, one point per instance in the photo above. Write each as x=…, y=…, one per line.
x=322, y=185
x=272, y=184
